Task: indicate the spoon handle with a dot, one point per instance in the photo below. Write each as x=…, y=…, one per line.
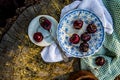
x=65, y=58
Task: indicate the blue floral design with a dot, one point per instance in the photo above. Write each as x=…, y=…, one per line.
x=97, y=38
x=66, y=29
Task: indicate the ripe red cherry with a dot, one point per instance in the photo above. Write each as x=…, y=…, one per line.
x=45, y=23
x=38, y=37
x=100, y=61
x=85, y=36
x=84, y=47
x=91, y=28
x=74, y=39
x=78, y=24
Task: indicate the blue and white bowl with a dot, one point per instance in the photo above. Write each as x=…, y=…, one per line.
x=65, y=30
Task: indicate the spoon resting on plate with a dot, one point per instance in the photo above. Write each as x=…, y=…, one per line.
x=46, y=24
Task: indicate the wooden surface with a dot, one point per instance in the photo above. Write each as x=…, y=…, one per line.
x=20, y=59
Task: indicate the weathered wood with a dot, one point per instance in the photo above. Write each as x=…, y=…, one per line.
x=20, y=58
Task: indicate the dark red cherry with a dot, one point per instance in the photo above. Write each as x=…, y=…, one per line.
x=45, y=23
x=38, y=37
x=78, y=24
x=100, y=61
x=85, y=36
x=74, y=39
x=91, y=28
x=84, y=47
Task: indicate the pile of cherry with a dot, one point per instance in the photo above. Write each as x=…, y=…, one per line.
x=84, y=46
x=85, y=37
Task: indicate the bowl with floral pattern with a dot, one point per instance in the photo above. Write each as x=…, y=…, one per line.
x=66, y=29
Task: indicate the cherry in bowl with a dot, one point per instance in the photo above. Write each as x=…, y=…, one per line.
x=91, y=28
x=84, y=46
x=75, y=38
x=85, y=36
x=45, y=23
x=38, y=37
x=78, y=24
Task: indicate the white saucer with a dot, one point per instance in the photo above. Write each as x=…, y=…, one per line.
x=34, y=27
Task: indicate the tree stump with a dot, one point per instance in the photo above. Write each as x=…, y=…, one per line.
x=20, y=59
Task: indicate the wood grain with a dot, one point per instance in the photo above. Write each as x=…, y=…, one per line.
x=19, y=58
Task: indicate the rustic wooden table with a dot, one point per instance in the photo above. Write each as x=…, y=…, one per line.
x=20, y=59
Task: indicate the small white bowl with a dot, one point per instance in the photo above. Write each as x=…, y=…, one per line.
x=34, y=27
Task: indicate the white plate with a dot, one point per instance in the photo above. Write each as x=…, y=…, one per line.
x=34, y=27
x=65, y=30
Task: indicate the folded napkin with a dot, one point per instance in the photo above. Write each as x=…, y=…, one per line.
x=110, y=49
x=52, y=53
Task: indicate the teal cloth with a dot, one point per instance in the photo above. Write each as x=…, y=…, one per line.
x=110, y=49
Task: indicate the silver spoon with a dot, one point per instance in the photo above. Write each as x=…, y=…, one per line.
x=65, y=58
